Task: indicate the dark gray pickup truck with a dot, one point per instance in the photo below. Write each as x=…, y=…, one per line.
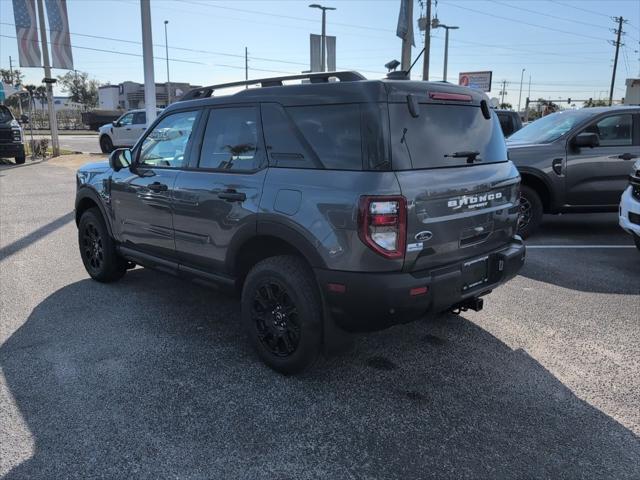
x=354, y=203
x=575, y=161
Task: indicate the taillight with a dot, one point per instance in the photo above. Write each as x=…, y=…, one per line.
x=453, y=97
x=382, y=224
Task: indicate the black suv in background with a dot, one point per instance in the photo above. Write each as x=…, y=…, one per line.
x=11, y=138
x=510, y=121
x=330, y=205
x=575, y=161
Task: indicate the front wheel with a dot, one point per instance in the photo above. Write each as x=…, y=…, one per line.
x=530, y=211
x=20, y=159
x=282, y=313
x=98, y=249
x=106, y=145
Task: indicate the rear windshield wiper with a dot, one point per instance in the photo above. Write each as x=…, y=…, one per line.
x=471, y=156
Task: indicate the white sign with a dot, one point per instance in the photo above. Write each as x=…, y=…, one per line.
x=477, y=80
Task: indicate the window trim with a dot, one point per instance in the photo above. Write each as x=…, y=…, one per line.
x=635, y=128
x=137, y=148
x=194, y=160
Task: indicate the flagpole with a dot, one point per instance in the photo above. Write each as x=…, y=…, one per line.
x=53, y=122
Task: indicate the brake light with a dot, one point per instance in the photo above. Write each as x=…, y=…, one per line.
x=382, y=224
x=454, y=97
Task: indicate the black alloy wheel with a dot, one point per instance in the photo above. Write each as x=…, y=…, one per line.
x=276, y=319
x=92, y=246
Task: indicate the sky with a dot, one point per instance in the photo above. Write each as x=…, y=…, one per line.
x=565, y=46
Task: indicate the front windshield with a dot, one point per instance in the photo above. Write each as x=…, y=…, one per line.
x=5, y=114
x=549, y=128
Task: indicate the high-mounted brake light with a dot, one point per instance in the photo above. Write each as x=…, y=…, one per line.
x=382, y=224
x=453, y=97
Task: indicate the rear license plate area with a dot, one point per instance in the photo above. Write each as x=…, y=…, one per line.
x=475, y=273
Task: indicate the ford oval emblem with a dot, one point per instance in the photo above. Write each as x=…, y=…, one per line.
x=424, y=236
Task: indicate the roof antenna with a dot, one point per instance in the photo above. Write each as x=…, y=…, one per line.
x=400, y=74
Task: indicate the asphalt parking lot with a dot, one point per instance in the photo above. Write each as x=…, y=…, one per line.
x=152, y=378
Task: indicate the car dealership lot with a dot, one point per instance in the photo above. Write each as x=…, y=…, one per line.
x=152, y=377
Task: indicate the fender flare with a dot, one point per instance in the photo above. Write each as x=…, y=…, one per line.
x=542, y=178
x=86, y=192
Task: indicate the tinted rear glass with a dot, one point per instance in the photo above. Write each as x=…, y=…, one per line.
x=440, y=131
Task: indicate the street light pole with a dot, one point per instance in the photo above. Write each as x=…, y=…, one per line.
x=323, y=39
x=166, y=49
x=520, y=94
x=436, y=24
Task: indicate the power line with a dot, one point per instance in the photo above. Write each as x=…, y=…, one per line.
x=580, y=8
x=520, y=22
x=571, y=20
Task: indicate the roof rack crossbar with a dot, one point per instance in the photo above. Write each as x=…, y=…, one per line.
x=315, y=77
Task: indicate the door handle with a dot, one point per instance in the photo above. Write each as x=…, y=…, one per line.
x=158, y=187
x=232, y=196
x=556, y=165
x=127, y=129
x=627, y=156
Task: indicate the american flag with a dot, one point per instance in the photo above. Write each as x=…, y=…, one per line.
x=59, y=27
x=24, y=14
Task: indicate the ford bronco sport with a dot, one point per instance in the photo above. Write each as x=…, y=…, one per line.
x=332, y=205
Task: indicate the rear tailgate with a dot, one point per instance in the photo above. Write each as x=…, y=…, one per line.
x=452, y=167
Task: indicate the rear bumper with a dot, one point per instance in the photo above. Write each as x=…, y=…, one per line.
x=11, y=149
x=361, y=301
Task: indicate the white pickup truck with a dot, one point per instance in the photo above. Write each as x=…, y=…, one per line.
x=629, y=214
x=123, y=132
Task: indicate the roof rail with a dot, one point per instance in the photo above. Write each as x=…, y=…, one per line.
x=315, y=77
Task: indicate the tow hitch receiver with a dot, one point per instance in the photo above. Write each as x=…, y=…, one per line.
x=474, y=304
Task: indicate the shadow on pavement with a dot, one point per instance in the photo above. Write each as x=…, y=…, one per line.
x=152, y=378
x=36, y=235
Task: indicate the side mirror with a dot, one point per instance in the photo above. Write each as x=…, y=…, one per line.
x=24, y=119
x=119, y=159
x=586, y=139
x=115, y=123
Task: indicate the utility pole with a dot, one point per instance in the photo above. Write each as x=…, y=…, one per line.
x=323, y=39
x=147, y=60
x=13, y=84
x=246, y=66
x=166, y=49
x=427, y=43
x=53, y=122
x=406, y=41
x=520, y=95
x=620, y=20
x=503, y=91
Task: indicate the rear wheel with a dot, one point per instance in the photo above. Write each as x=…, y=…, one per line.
x=97, y=248
x=282, y=313
x=530, y=211
x=106, y=145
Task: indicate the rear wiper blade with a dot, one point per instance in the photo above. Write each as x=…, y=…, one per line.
x=471, y=156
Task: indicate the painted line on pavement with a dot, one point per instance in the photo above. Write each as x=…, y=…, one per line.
x=540, y=247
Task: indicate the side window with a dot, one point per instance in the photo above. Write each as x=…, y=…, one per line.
x=333, y=131
x=126, y=120
x=506, y=123
x=616, y=130
x=139, y=118
x=284, y=143
x=166, y=144
x=231, y=140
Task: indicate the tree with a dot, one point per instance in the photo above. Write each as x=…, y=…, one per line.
x=595, y=103
x=12, y=78
x=81, y=88
x=506, y=106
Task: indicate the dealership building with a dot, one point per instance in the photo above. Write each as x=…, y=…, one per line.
x=130, y=95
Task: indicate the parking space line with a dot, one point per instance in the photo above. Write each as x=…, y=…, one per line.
x=539, y=247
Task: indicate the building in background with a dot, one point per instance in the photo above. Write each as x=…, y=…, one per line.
x=632, y=96
x=61, y=104
x=130, y=95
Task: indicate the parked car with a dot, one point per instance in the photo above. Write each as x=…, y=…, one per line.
x=510, y=121
x=344, y=205
x=11, y=136
x=629, y=213
x=574, y=161
x=123, y=132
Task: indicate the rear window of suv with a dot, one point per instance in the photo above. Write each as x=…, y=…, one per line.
x=429, y=140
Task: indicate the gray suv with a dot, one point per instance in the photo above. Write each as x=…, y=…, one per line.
x=341, y=204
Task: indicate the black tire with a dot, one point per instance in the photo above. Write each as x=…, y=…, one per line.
x=282, y=313
x=98, y=249
x=636, y=239
x=530, y=211
x=20, y=159
x=106, y=145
